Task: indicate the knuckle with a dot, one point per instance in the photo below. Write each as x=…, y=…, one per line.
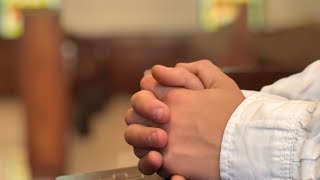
x=132, y=135
x=134, y=97
x=180, y=70
x=145, y=80
x=126, y=136
x=127, y=117
x=138, y=152
x=143, y=168
x=146, y=166
x=142, y=82
x=180, y=64
x=205, y=62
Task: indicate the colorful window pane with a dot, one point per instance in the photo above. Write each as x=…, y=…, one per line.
x=219, y=13
x=11, y=16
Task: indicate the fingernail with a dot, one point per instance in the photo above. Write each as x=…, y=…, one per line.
x=153, y=138
x=158, y=114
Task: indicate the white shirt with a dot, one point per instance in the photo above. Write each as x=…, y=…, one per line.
x=275, y=133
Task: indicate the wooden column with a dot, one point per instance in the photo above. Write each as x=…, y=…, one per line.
x=44, y=90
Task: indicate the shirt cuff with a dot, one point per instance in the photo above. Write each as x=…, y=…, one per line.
x=259, y=137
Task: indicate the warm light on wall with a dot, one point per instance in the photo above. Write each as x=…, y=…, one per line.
x=37, y=4
x=219, y=13
x=11, y=14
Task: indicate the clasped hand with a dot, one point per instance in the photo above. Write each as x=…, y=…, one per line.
x=177, y=120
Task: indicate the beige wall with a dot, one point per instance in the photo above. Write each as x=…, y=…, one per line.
x=119, y=17
x=283, y=14
x=112, y=17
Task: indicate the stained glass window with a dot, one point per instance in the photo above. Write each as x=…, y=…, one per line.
x=219, y=13
x=11, y=16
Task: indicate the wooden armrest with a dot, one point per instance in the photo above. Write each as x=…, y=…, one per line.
x=255, y=80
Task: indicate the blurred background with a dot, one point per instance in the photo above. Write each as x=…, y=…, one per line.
x=69, y=67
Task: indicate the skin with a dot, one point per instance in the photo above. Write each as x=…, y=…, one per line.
x=179, y=118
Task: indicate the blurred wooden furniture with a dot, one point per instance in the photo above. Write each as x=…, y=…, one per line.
x=8, y=75
x=255, y=80
x=43, y=88
x=106, y=66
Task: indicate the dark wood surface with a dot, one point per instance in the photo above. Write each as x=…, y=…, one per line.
x=255, y=80
x=8, y=73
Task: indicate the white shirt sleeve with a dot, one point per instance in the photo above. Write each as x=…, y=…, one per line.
x=302, y=86
x=274, y=137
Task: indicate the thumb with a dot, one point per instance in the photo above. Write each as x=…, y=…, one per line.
x=209, y=74
x=176, y=77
